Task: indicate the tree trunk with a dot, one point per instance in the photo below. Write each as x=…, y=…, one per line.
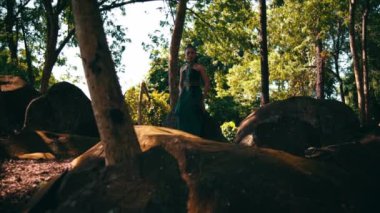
x=355, y=60
x=111, y=113
x=264, y=54
x=365, y=63
x=337, y=44
x=337, y=73
x=319, y=62
x=143, y=90
x=28, y=57
x=10, y=23
x=52, y=51
x=174, y=49
x=51, y=43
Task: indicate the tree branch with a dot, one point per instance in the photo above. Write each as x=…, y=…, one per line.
x=116, y=5
x=334, y=74
x=21, y=7
x=65, y=41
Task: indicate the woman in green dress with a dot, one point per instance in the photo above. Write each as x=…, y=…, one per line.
x=190, y=106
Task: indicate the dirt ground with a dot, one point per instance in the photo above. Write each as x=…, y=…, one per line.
x=19, y=179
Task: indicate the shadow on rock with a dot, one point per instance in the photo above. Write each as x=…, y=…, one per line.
x=297, y=123
x=65, y=109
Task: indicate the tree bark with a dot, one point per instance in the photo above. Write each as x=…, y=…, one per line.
x=264, y=54
x=52, y=52
x=337, y=44
x=320, y=91
x=28, y=57
x=10, y=23
x=365, y=63
x=51, y=43
x=355, y=60
x=174, y=49
x=111, y=113
x=337, y=73
x=143, y=90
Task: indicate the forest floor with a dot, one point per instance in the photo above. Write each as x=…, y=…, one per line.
x=20, y=179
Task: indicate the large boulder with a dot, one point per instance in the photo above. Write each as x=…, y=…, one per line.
x=297, y=123
x=15, y=95
x=37, y=144
x=64, y=109
x=11, y=82
x=180, y=172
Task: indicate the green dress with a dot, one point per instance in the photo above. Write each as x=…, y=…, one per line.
x=189, y=109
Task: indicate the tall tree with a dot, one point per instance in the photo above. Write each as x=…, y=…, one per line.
x=52, y=14
x=264, y=53
x=355, y=59
x=11, y=29
x=337, y=47
x=174, y=51
x=319, y=62
x=111, y=113
x=365, y=69
x=28, y=54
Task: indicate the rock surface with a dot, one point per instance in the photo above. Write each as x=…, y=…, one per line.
x=64, y=109
x=183, y=173
x=15, y=95
x=297, y=123
x=37, y=144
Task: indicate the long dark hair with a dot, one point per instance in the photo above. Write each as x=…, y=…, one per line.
x=190, y=46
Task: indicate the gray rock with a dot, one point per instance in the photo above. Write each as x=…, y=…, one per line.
x=297, y=123
x=64, y=109
x=13, y=104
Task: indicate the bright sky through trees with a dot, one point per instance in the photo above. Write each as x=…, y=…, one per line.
x=141, y=19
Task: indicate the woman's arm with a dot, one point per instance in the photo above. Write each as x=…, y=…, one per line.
x=180, y=84
x=205, y=79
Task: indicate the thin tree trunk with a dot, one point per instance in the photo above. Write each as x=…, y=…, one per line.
x=337, y=44
x=28, y=57
x=52, y=52
x=337, y=73
x=319, y=61
x=139, y=107
x=111, y=113
x=143, y=90
x=51, y=43
x=10, y=23
x=365, y=63
x=264, y=54
x=174, y=49
x=355, y=59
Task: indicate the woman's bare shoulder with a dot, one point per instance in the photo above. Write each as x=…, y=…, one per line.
x=199, y=67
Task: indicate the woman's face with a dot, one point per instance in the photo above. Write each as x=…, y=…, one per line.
x=190, y=54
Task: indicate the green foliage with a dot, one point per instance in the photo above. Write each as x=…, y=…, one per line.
x=373, y=39
x=229, y=130
x=227, y=109
x=117, y=41
x=158, y=73
x=226, y=35
x=31, y=28
x=226, y=30
x=154, y=110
